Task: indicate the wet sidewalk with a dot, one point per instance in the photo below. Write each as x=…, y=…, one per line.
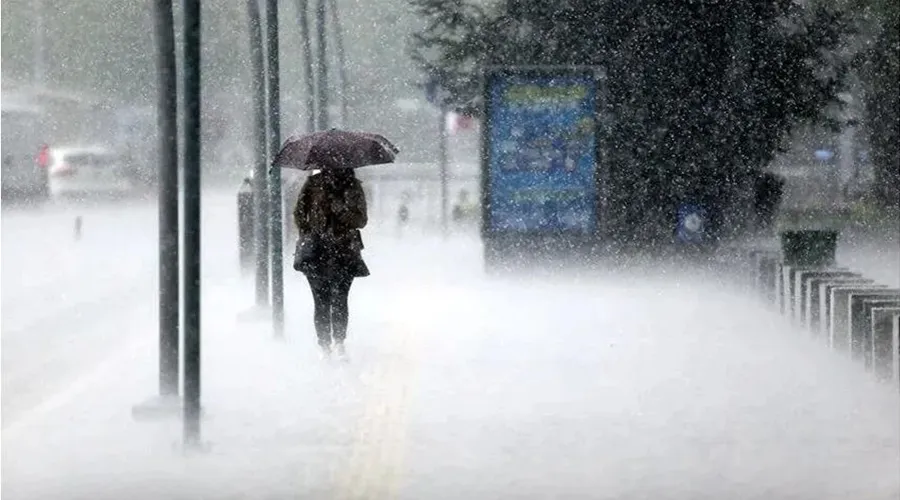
x=461, y=386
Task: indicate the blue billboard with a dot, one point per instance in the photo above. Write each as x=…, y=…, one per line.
x=541, y=153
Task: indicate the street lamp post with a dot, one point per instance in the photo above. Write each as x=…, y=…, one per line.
x=342, y=58
x=308, y=77
x=260, y=174
x=167, y=403
x=322, y=60
x=275, y=198
x=167, y=121
x=191, y=417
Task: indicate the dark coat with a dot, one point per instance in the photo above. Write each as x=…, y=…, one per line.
x=334, y=212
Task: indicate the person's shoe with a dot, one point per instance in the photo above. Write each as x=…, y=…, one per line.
x=325, y=350
x=340, y=351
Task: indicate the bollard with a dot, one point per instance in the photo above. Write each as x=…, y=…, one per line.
x=802, y=279
x=789, y=291
x=78, y=224
x=867, y=312
x=879, y=315
x=768, y=273
x=754, y=259
x=815, y=318
x=885, y=344
x=779, y=286
x=825, y=302
x=859, y=320
x=839, y=324
x=895, y=350
x=246, y=246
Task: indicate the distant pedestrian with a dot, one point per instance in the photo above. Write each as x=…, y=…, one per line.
x=330, y=211
x=403, y=212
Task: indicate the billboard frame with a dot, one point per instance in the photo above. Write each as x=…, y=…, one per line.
x=601, y=170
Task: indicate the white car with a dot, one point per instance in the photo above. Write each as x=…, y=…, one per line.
x=84, y=171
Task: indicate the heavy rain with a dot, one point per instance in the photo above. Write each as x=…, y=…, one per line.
x=617, y=249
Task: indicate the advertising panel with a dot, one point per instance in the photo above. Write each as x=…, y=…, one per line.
x=541, y=152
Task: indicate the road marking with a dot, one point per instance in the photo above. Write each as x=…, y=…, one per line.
x=103, y=370
x=376, y=461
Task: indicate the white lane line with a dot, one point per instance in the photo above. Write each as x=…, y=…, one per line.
x=106, y=369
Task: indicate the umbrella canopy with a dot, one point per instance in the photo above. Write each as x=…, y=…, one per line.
x=335, y=149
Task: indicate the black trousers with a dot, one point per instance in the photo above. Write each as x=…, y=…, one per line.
x=330, y=298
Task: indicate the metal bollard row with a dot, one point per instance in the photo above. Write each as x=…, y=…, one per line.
x=852, y=315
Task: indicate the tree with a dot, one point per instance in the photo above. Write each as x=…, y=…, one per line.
x=880, y=73
x=702, y=92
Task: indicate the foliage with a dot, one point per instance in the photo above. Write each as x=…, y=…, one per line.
x=883, y=116
x=880, y=73
x=702, y=92
x=107, y=46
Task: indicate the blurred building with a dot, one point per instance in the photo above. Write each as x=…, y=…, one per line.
x=825, y=168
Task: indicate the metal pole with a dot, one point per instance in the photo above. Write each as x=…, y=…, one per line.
x=342, y=58
x=322, y=60
x=442, y=161
x=192, y=222
x=309, y=78
x=167, y=122
x=260, y=181
x=275, y=198
x=38, y=44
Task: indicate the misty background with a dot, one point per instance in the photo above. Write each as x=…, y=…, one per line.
x=833, y=85
x=105, y=50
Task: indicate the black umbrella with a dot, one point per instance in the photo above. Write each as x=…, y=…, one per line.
x=335, y=149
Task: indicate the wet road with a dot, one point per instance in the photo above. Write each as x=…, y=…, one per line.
x=458, y=385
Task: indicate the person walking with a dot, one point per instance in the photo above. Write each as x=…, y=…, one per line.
x=330, y=211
